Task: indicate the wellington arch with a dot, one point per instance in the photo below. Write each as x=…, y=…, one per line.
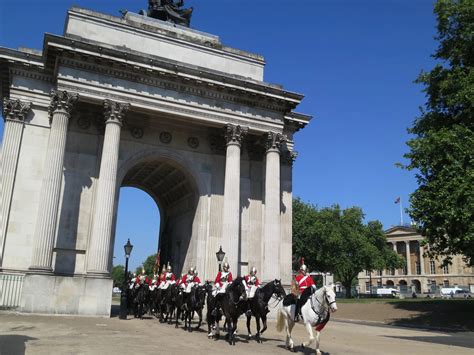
x=135, y=101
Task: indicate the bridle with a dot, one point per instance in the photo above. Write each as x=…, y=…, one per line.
x=325, y=308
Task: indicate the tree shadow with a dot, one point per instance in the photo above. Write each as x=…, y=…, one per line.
x=455, y=315
x=14, y=344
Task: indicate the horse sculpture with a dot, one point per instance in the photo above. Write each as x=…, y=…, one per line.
x=259, y=305
x=315, y=313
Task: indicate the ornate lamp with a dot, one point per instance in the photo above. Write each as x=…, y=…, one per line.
x=123, y=296
x=220, y=256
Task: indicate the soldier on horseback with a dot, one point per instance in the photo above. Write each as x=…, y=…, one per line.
x=189, y=280
x=251, y=283
x=304, y=281
x=223, y=279
x=169, y=278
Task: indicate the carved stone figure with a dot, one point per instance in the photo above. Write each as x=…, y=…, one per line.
x=169, y=10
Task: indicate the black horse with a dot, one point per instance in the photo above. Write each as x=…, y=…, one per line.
x=212, y=317
x=168, y=303
x=259, y=305
x=193, y=302
x=141, y=301
x=233, y=304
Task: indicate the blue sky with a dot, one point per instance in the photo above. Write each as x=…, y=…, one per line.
x=354, y=60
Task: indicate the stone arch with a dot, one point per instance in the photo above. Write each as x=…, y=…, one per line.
x=416, y=285
x=402, y=283
x=390, y=283
x=175, y=184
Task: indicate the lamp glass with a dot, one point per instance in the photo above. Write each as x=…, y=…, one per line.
x=128, y=248
x=220, y=255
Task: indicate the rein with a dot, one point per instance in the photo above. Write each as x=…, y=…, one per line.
x=325, y=308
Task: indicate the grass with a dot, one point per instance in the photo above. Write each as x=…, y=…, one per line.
x=407, y=300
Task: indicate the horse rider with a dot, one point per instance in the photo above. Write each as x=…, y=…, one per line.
x=223, y=279
x=189, y=280
x=169, y=278
x=133, y=281
x=154, y=282
x=251, y=283
x=304, y=281
x=143, y=279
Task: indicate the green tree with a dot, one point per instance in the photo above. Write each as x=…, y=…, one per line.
x=148, y=265
x=118, y=274
x=442, y=151
x=338, y=241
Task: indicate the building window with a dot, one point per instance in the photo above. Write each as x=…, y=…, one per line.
x=379, y=272
x=379, y=283
x=446, y=283
x=367, y=286
x=418, y=268
x=446, y=269
x=405, y=270
x=432, y=267
x=392, y=271
x=367, y=273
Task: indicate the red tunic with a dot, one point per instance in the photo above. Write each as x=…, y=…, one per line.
x=249, y=282
x=304, y=281
x=223, y=277
x=184, y=280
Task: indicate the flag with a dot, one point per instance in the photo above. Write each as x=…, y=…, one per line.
x=397, y=200
x=157, y=262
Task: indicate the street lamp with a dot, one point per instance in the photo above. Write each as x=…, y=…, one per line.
x=220, y=256
x=123, y=297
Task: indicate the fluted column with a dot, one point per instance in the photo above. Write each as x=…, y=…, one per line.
x=407, y=252
x=271, y=228
x=14, y=114
x=99, y=247
x=231, y=211
x=422, y=259
x=394, y=244
x=62, y=103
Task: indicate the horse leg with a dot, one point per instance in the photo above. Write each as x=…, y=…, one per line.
x=177, y=318
x=264, y=321
x=309, y=330
x=318, y=352
x=234, y=330
x=200, y=318
x=257, y=319
x=289, y=324
x=249, y=318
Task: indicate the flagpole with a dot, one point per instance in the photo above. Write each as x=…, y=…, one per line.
x=401, y=212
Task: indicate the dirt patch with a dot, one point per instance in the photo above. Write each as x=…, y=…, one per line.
x=453, y=314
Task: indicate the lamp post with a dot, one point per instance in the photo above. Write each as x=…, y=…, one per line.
x=220, y=256
x=123, y=297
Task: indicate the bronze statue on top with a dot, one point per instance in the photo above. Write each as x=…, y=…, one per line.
x=168, y=10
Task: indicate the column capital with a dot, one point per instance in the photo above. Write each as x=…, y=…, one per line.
x=15, y=110
x=234, y=134
x=115, y=111
x=62, y=101
x=273, y=140
x=289, y=157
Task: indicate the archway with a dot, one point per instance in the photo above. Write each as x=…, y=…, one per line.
x=417, y=286
x=402, y=283
x=390, y=283
x=173, y=187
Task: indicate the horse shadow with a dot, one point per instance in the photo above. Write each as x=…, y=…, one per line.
x=14, y=344
x=303, y=350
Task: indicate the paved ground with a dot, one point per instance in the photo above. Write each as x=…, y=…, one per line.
x=20, y=334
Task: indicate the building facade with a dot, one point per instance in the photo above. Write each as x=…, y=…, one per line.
x=135, y=101
x=421, y=274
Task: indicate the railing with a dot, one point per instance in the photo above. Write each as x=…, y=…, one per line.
x=11, y=286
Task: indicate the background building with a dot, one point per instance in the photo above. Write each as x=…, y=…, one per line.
x=421, y=274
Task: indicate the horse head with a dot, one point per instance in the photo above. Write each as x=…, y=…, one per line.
x=237, y=290
x=278, y=289
x=330, y=297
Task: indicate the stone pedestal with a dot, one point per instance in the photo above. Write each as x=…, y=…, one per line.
x=60, y=111
x=66, y=295
x=14, y=113
x=100, y=244
x=230, y=221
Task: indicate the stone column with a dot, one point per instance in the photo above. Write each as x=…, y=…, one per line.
x=60, y=109
x=231, y=210
x=98, y=253
x=396, y=251
x=14, y=114
x=271, y=227
x=407, y=251
x=422, y=260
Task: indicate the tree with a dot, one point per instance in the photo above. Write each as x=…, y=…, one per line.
x=442, y=151
x=338, y=241
x=148, y=265
x=118, y=274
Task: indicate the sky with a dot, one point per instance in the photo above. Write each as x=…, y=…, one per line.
x=354, y=60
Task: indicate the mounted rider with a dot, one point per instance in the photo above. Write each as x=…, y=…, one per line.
x=133, y=281
x=189, y=280
x=143, y=278
x=154, y=282
x=252, y=283
x=304, y=281
x=223, y=279
x=169, y=278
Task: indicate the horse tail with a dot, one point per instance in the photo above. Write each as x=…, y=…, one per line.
x=280, y=321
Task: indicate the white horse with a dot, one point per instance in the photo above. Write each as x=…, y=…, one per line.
x=315, y=312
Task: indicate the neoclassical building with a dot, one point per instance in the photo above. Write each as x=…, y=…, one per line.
x=421, y=274
x=135, y=101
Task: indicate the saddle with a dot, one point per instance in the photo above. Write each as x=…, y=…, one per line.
x=289, y=300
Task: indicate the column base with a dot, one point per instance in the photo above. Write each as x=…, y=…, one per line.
x=52, y=294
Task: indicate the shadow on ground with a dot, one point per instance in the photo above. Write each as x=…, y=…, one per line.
x=14, y=344
x=453, y=314
x=463, y=341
